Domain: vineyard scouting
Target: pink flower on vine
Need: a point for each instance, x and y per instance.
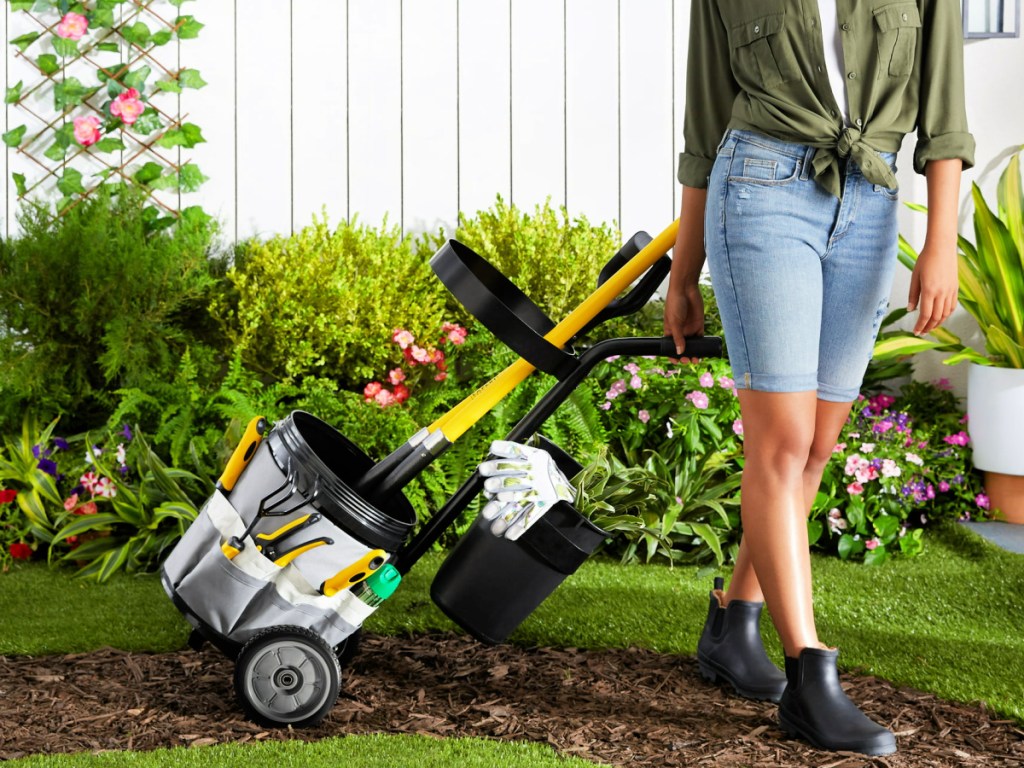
(396, 375)
(370, 390)
(644, 416)
(855, 489)
(872, 543)
(127, 106)
(737, 426)
(71, 502)
(706, 379)
(72, 26)
(419, 354)
(87, 130)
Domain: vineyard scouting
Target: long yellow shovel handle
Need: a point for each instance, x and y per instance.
(464, 415)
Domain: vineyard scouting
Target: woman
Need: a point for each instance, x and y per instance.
(794, 113)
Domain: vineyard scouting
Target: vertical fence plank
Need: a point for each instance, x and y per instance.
(485, 138)
(592, 109)
(263, 118)
(647, 163)
(212, 108)
(20, 68)
(430, 109)
(681, 35)
(319, 93)
(375, 111)
(538, 102)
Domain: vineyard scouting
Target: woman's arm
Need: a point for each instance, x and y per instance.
(684, 306)
(934, 283)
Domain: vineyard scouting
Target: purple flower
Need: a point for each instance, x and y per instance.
(127, 432)
(38, 452)
(881, 427)
(60, 443)
(982, 501)
(123, 469)
(48, 466)
(77, 490)
(943, 486)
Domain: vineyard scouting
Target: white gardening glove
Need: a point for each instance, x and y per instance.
(522, 484)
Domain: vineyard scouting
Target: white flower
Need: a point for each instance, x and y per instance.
(913, 458)
(867, 447)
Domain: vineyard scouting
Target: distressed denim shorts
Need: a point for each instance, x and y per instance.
(802, 279)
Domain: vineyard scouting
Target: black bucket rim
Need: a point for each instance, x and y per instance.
(341, 502)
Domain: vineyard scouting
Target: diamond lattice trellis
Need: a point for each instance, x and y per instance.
(97, 100)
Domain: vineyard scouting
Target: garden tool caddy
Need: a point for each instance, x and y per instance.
(305, 535)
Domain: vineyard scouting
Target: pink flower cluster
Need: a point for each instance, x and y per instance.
(415, 356)
(960, 438)
(698, 398)
(87, 130)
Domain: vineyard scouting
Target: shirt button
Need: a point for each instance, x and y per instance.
(756, 29)
(846, 27)
(832, 112)
(819, 68)
(860, 122)
(852, 75)
(904, 17)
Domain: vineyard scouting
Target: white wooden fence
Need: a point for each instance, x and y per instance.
(417, 109)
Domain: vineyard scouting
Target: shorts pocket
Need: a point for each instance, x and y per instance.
(761, 52)
(898, 27)
(752, 163)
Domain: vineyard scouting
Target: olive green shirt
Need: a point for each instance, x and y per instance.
(759, 65)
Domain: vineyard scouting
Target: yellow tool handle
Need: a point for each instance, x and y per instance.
(286, 558)
(243, 453)
(354, 573)
(464, 415)
(280, 532)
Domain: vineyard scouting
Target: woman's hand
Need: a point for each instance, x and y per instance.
(684, 313)
(933, 287)
(934, 283)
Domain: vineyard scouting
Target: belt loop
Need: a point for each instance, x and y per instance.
(805, 172)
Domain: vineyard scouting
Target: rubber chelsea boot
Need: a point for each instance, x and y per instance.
(730, 649)
(814, 707)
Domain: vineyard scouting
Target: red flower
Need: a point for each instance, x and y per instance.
(89, 508)
(401, 393)
(7, 495)
(21, 551)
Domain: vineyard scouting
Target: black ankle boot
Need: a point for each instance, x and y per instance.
(730, 649)
(815, 708)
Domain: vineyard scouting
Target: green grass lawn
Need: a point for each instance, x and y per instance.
(377, 750)
(947, 622)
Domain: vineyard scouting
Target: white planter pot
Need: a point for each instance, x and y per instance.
(995, 407)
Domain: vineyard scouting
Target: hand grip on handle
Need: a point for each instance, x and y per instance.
(696, 346)
(243, 453)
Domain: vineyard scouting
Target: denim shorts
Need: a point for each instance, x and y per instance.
(802, 279)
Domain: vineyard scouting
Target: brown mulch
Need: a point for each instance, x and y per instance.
(615, 707)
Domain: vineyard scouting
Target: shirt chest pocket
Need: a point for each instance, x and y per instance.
(897, 30)
(761, 55)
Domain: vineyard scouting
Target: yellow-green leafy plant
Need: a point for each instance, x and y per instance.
(325, 302)
(991, 272)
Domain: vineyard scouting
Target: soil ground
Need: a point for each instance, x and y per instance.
(616, 707)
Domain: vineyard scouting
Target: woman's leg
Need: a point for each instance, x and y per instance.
(828, 423)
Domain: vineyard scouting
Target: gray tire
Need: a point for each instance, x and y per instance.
(285, 676)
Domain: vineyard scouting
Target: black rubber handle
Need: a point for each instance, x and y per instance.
(629, 249)
(696, 346)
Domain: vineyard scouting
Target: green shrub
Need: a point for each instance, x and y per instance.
(324, 303)
(94, 301)
(551, 257)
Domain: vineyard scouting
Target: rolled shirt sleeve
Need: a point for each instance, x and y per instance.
(942, 114)
(711, 90)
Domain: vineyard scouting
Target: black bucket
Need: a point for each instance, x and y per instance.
(489, 585)
(319, 455)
